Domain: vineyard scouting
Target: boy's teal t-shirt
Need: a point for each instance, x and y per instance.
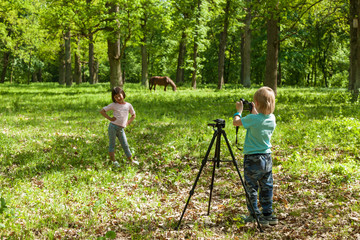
(259, 128)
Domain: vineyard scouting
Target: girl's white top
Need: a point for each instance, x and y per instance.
(121, 112)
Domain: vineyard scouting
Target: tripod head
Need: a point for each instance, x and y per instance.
(219, 123)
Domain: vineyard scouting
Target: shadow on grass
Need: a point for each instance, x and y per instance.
(73, 152)
(168, 227)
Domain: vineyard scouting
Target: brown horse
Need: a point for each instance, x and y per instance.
(162, 81)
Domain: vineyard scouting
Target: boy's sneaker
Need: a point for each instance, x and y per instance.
(262, 220)
(116, 164)
(273, 220)
(135, 162)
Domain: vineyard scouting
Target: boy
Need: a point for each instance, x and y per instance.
(260, 125)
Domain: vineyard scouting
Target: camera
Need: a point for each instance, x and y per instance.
(247, 105)
(219, 123)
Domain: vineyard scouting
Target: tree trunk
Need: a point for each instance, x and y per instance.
(96, 71)
(91, 60)
(34, 77)
(62, 65)
(39, 75)
(83, 75)
(354, 73)
(222, 47)
(246, 51)
(357, 60)
(29, 67)
(279, 81)
(323, 64)
(242, 59)
(196, 46)
(77, 73)
(279, 72)
(115, 63)
(144, 55)
(227, 65)
(113, 41)
(272, 54)
(181, 59)
(5, 66)
(144, 63)
(193, 77)
(12, 73)
(68, 72)
(354, 24)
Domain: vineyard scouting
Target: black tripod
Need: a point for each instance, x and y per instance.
(218, 131)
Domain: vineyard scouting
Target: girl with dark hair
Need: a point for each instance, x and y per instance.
(118, 123)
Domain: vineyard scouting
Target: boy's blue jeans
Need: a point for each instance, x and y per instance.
(117, 131)
(258, 173)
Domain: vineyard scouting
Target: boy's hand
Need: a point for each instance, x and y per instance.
(239, 107)
(253, 111)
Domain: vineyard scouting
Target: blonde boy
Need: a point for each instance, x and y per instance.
(260, 125)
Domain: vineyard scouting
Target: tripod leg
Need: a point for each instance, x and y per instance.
(197, 177)
(211, 186)
(241, 179)
(217, 149)
(216, 162)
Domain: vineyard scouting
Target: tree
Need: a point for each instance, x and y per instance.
(190, 40)
(114, 52)
(123, 24)
(184, 14)
(199, 32)
(272, 45)
(222, 46)
(181, 58)
(68, 69)
(89, 21)
(196, 45)
(144, 52)
(6, 58)
(8, 18)
(246, 48)
(58, 18)
(77, 69)
(354, 79)
(90, 33)
(15, 34)
(153, 16)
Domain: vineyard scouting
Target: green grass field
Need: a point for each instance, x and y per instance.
(57, 182)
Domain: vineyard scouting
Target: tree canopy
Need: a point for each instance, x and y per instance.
(301, 43)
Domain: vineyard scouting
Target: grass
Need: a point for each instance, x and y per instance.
(56, 180)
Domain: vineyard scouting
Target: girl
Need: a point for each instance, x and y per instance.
(118, 122)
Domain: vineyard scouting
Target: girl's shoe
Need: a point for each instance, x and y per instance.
(116, 164)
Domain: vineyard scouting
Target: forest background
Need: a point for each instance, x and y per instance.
(302, 42)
